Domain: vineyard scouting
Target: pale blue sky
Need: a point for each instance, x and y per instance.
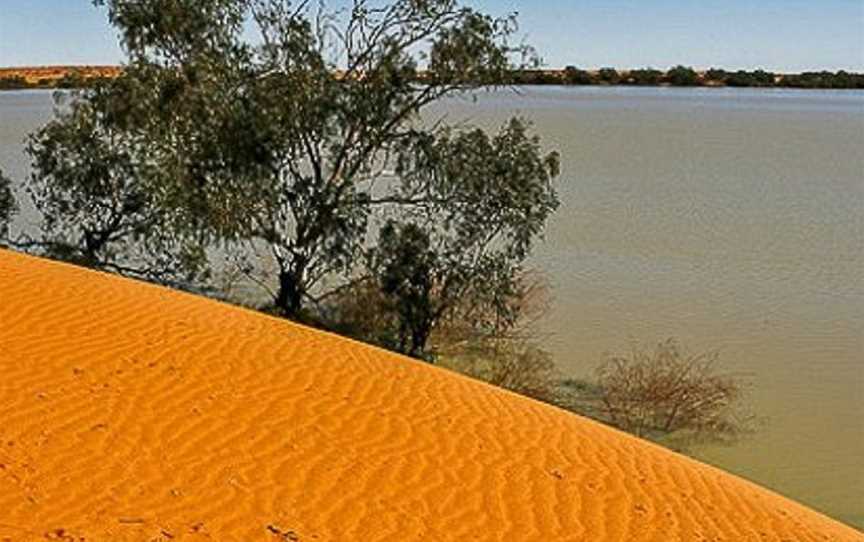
(781, 35)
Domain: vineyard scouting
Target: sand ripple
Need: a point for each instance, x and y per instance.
(130, 412)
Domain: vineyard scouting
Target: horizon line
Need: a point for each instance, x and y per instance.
(701, 70)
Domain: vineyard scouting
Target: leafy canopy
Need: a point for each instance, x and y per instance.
(290, 133)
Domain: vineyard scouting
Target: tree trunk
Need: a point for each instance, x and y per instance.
(419, 337)
(289, 298)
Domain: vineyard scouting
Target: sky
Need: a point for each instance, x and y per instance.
(779, 35)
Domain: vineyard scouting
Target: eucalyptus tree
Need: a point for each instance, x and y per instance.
(277, 124)
(92, 181)
(474, 206)
(296, 129)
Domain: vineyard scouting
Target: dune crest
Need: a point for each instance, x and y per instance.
(131, 412)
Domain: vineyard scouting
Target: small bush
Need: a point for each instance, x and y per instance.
(609, 76)
(658, 392)
(513, 364)
(575, 76)
(682, 76)
(510, 357)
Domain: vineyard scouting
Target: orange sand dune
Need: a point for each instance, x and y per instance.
(131, 412)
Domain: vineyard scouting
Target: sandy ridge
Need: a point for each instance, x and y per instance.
(130, 412)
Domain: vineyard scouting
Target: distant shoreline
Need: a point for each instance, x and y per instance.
(54, 77)
(67, 77)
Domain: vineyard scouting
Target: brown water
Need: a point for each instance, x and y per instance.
(730, 219)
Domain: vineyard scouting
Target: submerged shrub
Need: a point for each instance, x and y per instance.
(664, 390)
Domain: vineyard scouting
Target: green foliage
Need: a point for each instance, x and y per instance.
(93, 182)
(176, 29)
(681, 76)
(758, 78)
(475, 205)
(74, 79)
(473, 50)
(840, 79)
(535, 77)
(609, 76)
(407, 267)
(581, 396)
(280, 144)
(509, 357)
(8, 207)
(716, 75)
(70, 80)
(575, 76)
(288, 143)
(517, 365)
(686, 76)
(305, 143)
(13, 83)
(644, 77)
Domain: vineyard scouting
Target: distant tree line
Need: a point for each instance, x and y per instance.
(682, 76)
(14, 83)
(678, 76)
(72, 79)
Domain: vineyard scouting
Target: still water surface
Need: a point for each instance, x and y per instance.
(729, 219)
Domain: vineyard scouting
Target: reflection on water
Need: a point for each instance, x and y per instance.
(730, 219)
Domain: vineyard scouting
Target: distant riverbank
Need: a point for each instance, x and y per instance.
(53, 77)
